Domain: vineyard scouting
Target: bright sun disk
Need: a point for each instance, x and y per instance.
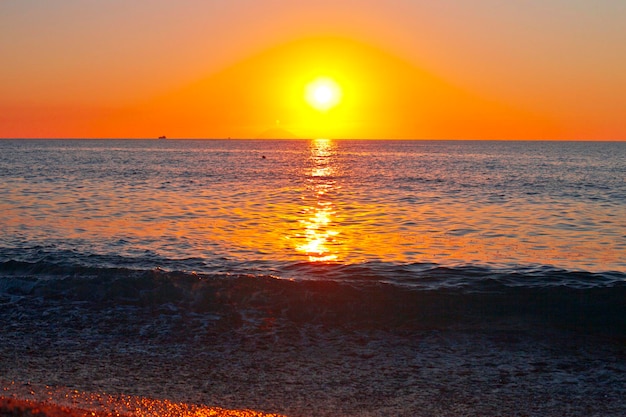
(323, 94)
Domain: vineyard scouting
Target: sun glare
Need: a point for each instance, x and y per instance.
(323, 93)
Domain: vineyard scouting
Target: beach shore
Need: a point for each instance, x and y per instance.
(10, 407)
(325, 373)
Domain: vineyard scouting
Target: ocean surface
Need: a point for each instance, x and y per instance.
(271, 207)
(163, 248)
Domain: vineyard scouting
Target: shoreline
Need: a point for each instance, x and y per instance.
(12, 407)
(513, 372)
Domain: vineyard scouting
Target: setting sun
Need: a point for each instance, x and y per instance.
(323, 94)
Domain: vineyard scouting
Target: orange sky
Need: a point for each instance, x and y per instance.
(407, 68)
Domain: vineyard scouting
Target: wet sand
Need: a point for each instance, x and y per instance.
(311, 371)
(10, 407)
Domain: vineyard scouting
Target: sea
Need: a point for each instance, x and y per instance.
(315, 277)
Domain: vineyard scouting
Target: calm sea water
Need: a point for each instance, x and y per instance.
(269, 206)
(194, 220)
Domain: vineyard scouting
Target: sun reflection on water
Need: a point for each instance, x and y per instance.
(318, 232)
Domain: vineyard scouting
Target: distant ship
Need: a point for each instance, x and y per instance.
(162, 137)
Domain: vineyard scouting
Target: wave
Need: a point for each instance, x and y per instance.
(372, 296)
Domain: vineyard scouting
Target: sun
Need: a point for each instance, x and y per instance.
(323, 93)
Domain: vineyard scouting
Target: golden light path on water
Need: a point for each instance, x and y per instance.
(318, 234)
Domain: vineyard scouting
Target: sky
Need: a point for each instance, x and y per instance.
(406, 69)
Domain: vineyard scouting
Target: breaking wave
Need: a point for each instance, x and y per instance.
(364, 296)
